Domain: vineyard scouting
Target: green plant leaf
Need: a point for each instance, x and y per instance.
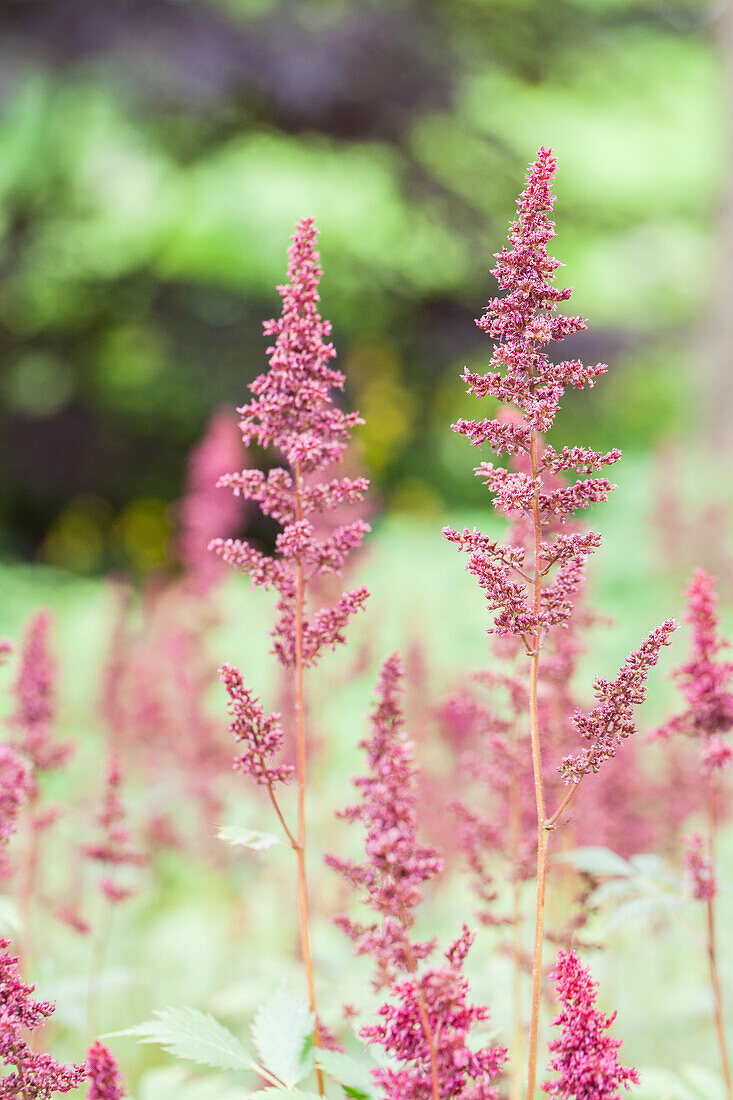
(197, 1037)
(249, 838)
(597, 861)
(354, 1078)
(274, 1093)
(280, 1032)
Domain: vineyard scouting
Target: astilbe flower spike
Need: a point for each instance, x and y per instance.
(105, 1079)
(15, 787)
(205, 512)
(612, 720)
(532, 583)
(293, 412)
(426, 1024)
(396, 865)
(113, 850)
(585, 1055)
(34, 1075)
(706, 679)
(705, 682)
(34, 691)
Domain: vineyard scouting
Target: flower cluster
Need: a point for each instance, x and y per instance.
(427, 1021)
(705, 680)
(15, 787)
(34, 693)
(521, 323)
(114, 850)
(390, 878)
(440, 996)
(261, 733)
(33, 1074)
(204, 512)
(700, 869)
(612, 720)
(585, 1055)
(105, 1080)
(292, 410)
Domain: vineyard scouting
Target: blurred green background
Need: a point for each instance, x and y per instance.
(153, 159)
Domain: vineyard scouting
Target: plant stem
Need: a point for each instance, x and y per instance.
(96, 969)
(28, 890)
(543, 835)
(301, 760)
(518, 1037)
(713, 959)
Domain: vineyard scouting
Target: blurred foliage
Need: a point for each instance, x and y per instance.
(154, 155)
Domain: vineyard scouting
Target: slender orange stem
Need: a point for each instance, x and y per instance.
(518, 1038)
(543, 835)
(303, 914)
(713, 958)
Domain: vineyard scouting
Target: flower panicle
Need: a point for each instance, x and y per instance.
(584, 1056)
(439, 995)
(705, 680)
(15, 788)
(292, 410)
(32, 1073)
(530, 386)
(396, 865)
(608, 724)
(113, 849)
(103, 1072)
(35, 697)
(260, 733)
(700, 869)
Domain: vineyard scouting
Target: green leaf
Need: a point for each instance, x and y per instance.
(597, 861)
(642, 908)
(273, 1094)
(9, 916)
(280, 1032)
(250, 838)
(197, 1037)
(354, 1078)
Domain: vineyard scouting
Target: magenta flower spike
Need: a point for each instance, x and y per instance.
(293, 412)
(706, 679)
(15, 788)
(396, 864)
(532, 583)
(427, 1023)
(35, 697)
(205, 511)
(585, 1055)
(105, 1079)
(32, 1073)
(113, 850)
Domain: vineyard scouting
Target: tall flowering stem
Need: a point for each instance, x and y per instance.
(33, 722)
(292, 411)
(705, 682)
(531, 585)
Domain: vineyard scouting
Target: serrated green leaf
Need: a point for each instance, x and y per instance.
(197, 1037)
(597, 861)
(249, 838)
(354, 1078)
(280, 1032)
